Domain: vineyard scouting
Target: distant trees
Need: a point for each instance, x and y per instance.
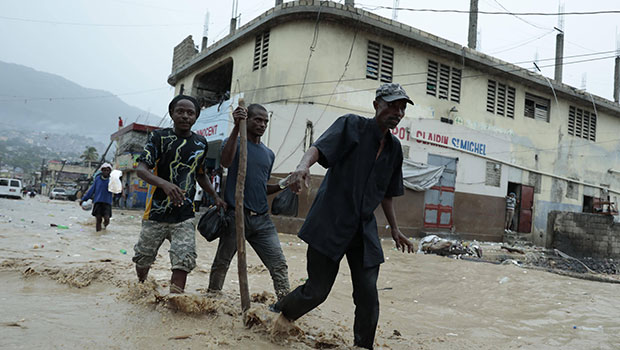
(90, 154)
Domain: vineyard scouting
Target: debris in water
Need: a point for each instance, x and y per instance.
(64, 227)
(179, 337)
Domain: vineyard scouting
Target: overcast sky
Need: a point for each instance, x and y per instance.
(125, 46)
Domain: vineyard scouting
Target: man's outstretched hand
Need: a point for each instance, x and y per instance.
(402, 241)
(298, 179)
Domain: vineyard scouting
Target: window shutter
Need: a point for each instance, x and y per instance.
(537, 107)
(581, 123)
(265, 49)
(257, 49)
(593, 127)
(261, 50)
(571, 121)
(379, 62)
(431, 78)
(491, 86)
(529, 108)
(510, 102)
(387, 63)
(372, 62)
(455, 88)
(541, 112)
(444, 81)
(501, 98)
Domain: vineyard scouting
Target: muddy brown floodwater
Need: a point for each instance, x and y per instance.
(75, 289)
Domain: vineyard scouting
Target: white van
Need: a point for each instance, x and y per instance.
(10, 188)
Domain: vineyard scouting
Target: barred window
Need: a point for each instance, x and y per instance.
(380, 62)
(261, 49)
(493, 174)
(500, 99)
(581, 123)
(537, 107)
(443, 81)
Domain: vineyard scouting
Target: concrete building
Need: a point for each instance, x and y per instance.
(71, 176)
(496, 127)
(130, 141)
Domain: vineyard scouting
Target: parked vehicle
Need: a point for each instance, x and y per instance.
(10, 188)
(58, 193)
(72, 193)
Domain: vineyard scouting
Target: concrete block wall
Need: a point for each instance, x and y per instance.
(584, 234)
(183, 53)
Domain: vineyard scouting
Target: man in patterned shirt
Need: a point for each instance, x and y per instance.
(177, 157)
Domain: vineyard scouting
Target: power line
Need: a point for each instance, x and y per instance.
(522, 43)
(424, 82)
(95, 24)
(414, 73)
(570, 13)
(30, 99)
(167, 9)
(519, 18)
(346, 67)
(315, 39)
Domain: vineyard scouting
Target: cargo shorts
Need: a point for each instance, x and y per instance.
(182, 237)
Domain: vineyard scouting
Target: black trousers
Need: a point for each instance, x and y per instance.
(322, 272)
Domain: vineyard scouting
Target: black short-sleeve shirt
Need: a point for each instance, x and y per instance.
(355, 184)
(176, 160)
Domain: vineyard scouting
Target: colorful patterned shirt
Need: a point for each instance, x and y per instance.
(176, 160)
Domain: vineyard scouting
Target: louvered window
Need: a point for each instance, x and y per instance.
(537, 107)
(380, 62)
(500, 99)
(581, 123)
(261, 50)
(443, 81)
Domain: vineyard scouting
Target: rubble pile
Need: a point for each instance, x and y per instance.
(583, 265)
(433, 244)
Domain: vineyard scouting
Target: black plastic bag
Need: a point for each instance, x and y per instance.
(285, 203)
(213, 223)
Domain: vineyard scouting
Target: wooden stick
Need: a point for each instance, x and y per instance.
(240, 215)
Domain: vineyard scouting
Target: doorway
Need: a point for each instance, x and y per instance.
(439, 199)
(522, 220)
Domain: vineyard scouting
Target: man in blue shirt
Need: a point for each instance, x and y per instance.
(102, 198)
(260, 231)
(364, 162)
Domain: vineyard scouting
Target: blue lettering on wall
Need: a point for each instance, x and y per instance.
(471, 146)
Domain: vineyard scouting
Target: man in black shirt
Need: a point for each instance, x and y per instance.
(364, 162)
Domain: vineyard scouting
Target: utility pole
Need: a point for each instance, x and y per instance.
(617, 69)
(473, 24)
(233, 19)
(395, 5)
(205, 33)
(559, 45)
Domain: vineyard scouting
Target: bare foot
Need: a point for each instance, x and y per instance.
(283, 327)
(174, 289)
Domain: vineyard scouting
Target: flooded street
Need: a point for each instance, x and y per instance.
(75, 289)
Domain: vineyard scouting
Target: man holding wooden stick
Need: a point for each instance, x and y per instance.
(260, 231)
(364, 162)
